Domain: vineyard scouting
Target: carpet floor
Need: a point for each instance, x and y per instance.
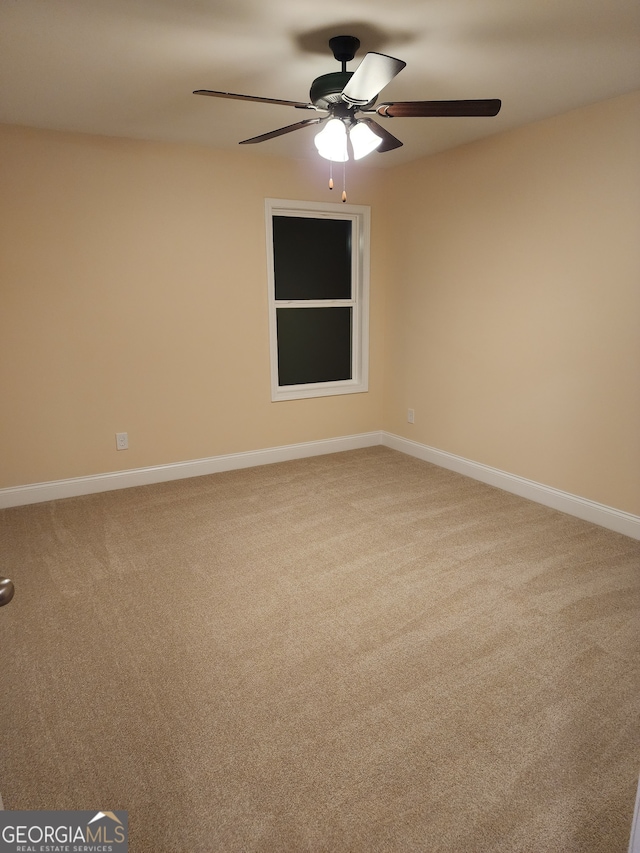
(352, 653)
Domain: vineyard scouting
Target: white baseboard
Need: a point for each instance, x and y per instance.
(39, 492)
(605, 516)
(634, 840)
(613, 519)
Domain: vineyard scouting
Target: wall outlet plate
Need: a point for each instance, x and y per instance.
(122, 441)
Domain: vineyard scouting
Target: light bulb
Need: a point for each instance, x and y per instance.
(331, 142)
(363, 140)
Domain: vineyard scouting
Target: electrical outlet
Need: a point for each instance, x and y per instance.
(122, 441)
(410, 416)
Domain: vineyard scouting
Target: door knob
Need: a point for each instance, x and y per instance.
(6, 591)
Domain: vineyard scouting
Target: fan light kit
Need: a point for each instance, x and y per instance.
(346, 100)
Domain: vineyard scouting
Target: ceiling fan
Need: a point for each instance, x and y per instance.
(346, 100)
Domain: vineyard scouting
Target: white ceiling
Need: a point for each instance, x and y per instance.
(128, 67)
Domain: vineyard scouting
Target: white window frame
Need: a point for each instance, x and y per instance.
(360, 217)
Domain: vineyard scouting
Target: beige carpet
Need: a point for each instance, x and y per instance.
(356, 652)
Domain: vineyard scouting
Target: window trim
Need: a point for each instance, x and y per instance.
(360, 216)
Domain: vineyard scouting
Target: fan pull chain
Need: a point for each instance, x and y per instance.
(344, 179)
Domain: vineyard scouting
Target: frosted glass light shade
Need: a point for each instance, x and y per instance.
(363, 140)
(331, 142)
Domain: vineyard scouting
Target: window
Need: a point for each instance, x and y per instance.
(318, 275)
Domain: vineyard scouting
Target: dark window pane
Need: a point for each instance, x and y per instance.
(314, 345)
(312, 258)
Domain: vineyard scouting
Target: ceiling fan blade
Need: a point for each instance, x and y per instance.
(370, 77)
(417, 109)
(282, 130)
(298, 104)
(389, 141)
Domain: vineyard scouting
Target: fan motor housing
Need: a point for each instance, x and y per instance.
(327, 89)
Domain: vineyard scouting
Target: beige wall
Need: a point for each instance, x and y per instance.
(133, 298)
(514, 303)
(505, 303)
